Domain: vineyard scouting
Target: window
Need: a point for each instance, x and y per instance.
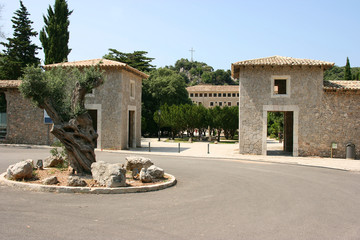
(224, 94)
(229, 104)
(200, 94)
(205, 94)
(132, 89)
(237, 103)
(211, 104)
(196, 95)
(215, 95)
(210, 94)
(200, 103)
(220, 104)
(237, 94)
(233, 95)
(191, 94)
(219, 95)
(229, 94)
(280, 86)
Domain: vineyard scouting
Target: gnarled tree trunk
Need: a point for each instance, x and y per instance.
(79, 138)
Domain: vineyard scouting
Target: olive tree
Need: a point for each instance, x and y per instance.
(61, 92)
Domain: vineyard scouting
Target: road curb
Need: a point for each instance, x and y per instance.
(87, 190)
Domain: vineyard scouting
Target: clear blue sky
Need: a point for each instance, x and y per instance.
(221, 32)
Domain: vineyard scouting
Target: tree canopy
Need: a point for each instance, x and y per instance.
(54, 36)
(199, 72)
(61, 93)
(338, 73)
(347, 71)
(19, 50)
(137, 59)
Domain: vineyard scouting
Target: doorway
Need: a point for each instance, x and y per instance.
(287, 124)
(93, 115)
(131, 129)
(3, 116)
(280, 133)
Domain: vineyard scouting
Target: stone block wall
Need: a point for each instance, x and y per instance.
(113, 101)
(337, 120)
(255, 93)
(25, 122)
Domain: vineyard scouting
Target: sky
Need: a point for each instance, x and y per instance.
(220, 31)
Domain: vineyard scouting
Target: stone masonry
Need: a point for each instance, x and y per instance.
(25, 122)
(319, 117)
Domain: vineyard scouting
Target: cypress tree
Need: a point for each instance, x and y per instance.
(54, 36)
(19, 51)
(347, 71)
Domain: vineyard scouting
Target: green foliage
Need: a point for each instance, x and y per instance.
(137, 59)
(230, 121)
(275, 123)
(55, 87)
(347, 71)
(19, 51)
(338, 73)
(54, 36)
(60, 154)
(199, 72)
(187, 117)
(219, 77)
(164, 86)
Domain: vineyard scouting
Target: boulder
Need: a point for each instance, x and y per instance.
(145, 177)
(137, 163)
(20, 170)
(155, 172)
(50, 180)
(109, 175)
(53, 161)
(76, 182)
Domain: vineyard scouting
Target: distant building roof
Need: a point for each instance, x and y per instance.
(10, 83)
(278, 61)
(213, 88)
(341, 85)
(103, 63)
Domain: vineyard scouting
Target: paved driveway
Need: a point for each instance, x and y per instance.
(214, 199)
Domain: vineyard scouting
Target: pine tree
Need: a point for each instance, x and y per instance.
(54, 36)
(347, 71)
(19, 51)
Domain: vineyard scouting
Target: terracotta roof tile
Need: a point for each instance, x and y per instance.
(94, 62)
(10, 83)
(341, 85)
(283, 61)
(213, 88)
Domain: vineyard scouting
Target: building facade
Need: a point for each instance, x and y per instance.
(214, 95)
(115, 108)
(316, 116)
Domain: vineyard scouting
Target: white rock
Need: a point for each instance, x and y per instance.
(138, 163)
(109, 175)
(145, 177)
(50, 180)
(155, 172)
(21, 170)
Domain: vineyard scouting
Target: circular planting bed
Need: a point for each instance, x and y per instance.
(133, 186)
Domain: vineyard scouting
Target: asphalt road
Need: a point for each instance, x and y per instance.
(214, 199)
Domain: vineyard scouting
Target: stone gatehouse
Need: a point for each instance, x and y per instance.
(115, 108)
(318, 115)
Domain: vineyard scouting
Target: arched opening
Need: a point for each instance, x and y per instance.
(3, 118)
